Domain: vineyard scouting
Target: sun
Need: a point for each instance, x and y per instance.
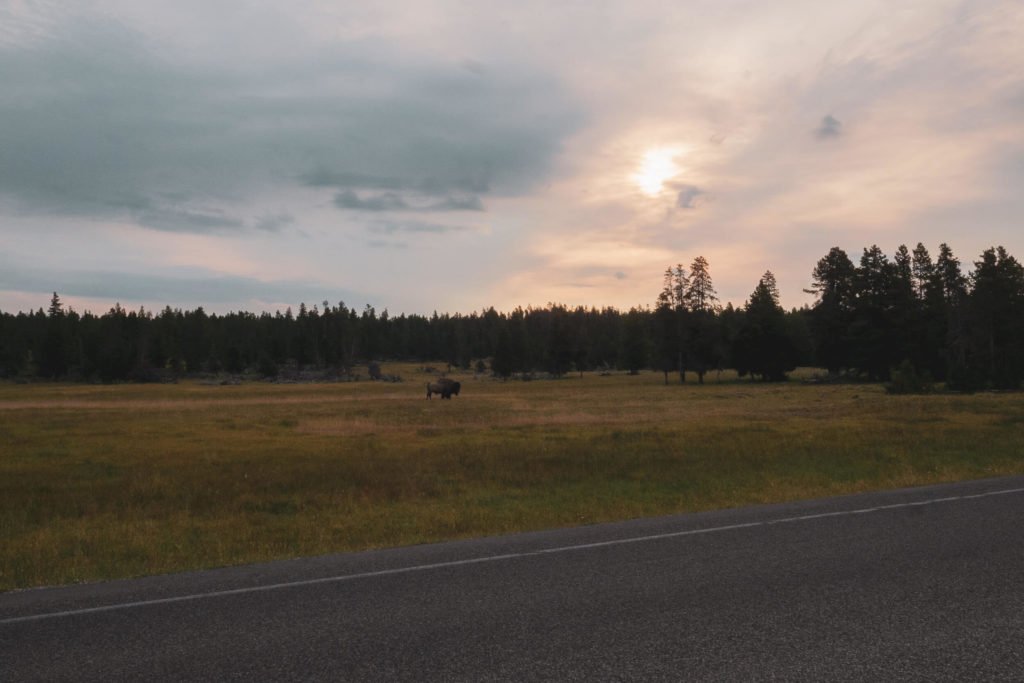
(658, 166)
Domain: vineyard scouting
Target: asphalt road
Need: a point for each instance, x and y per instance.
(919, 584)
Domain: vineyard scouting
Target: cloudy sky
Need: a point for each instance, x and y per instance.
(456, 155)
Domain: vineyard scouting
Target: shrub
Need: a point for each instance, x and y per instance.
(267, 366)
(906, 379)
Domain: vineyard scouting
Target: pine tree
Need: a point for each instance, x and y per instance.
(675, 285)
(996, 317)
(700, 295)
(947, 268)
(634, 341)
(922, 269)
(833, 285)
(670, 322)
(56, 307)
(763, 345)
(951, 290)
(53, 354)
(702, 337)
(875, 346)
(904, 311)
(668, 338)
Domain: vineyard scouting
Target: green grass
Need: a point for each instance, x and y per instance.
(100, 482)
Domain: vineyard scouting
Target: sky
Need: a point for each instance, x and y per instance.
(452, 156)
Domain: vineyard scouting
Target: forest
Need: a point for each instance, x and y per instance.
(909, 319)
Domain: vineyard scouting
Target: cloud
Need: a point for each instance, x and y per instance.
(387, 201)
(324, 177)
(471, 203)
(273, 222)
(394, 201)
(393, 227)
(687, 196)
(95, 121)
(182, 220)
(830, 127)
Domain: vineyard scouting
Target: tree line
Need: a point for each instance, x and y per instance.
(921, 316)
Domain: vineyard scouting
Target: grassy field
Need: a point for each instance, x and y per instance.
(100, 482)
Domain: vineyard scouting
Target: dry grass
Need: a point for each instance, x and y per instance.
(110, 481)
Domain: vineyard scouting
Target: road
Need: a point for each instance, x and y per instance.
(917, 584)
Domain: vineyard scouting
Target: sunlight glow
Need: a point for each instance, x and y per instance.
(658, 166)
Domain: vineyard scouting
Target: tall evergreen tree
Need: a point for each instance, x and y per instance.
(951, 297)
(675, 285)
(875, 344)
(904, 312)
(668, 342)
(763, 346)
(503, 362)
(560, 341)
(996, 316)
(833, 285)
(56, 307)
(947, 268)
(54, 355)
(634, 341)
(922, 269)
(581, 340)
(703, 342)
(700, 295)
(671, 317)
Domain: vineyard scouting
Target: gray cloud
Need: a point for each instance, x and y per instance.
(273, 222)
(830, 127)
(94, 123)
(386, 201)
(687, 196)
(182, 220)
(393, 201)
(324, 177)
(450, 203)
(393, 227)
(619, 275)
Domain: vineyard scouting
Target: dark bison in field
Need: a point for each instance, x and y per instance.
(444, 386)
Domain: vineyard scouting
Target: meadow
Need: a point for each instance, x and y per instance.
(100, 482)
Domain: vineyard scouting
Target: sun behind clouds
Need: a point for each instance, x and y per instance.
(657, 167)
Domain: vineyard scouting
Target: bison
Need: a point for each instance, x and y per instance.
(444, 386)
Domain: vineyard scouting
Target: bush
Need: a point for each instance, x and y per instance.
(964, 377)
(267, 366)
(373, 367)
(906, 379)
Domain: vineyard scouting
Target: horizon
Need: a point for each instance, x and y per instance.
(69, 305)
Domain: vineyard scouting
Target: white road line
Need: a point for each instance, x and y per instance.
(493, 558)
